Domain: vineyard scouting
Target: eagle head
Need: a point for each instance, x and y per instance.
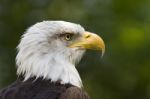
(50, 49)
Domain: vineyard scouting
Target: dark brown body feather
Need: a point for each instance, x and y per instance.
(41, 89)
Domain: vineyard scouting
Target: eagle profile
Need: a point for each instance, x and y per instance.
(46, 59)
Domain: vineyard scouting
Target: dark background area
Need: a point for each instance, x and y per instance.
(123, 72)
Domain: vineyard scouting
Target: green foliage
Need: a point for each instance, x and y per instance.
(123, 72)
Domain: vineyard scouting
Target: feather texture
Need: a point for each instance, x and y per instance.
(41, 89)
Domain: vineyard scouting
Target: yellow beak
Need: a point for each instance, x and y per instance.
(90, 41)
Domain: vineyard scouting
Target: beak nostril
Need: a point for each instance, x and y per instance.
(87, 36)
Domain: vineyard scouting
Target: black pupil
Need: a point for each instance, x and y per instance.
(68, 36)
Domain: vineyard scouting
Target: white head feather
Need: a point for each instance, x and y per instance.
(42, 54)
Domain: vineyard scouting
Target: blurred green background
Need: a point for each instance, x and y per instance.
(123, 72)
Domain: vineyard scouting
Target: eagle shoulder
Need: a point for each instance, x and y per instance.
(74, 93)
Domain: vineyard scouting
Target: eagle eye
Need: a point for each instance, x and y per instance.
(68, 36)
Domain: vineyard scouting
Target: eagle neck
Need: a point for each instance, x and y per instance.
(50, 69)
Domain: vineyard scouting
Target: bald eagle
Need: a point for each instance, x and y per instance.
(46, 59)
